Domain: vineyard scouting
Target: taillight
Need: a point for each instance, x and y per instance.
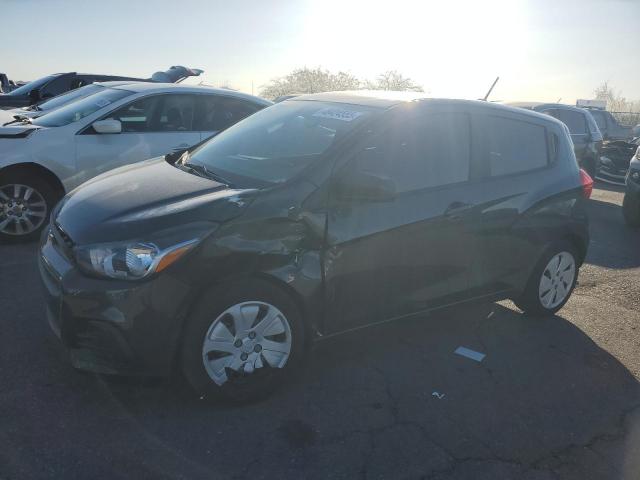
(587, 183)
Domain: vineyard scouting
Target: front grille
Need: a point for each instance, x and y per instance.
(63, 236)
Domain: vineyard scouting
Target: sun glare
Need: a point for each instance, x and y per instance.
(453, 48)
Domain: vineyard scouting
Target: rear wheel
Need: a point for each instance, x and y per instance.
(241, 344)
(25, 204)
(551, 282)
(631, 211)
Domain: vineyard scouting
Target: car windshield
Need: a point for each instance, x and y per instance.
(79, 109)
(278, 142)
(65, 98)
(25, 89)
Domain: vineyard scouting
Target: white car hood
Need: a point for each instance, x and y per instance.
(6, 116)
(17, 131)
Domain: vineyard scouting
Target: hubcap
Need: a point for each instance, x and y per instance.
(22, 209)
(557, 279)
(246, 337)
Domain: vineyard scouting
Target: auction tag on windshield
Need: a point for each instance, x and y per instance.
(337, 114)
(102, 102)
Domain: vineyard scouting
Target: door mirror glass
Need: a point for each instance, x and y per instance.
(364, 186)
(107, 126)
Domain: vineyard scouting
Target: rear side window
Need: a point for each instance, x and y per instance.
(576, 121)
(515, 146)
(217, 112)
(430, 151)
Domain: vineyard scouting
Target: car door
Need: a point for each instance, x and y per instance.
(393, 257)
(516, 156)
(151, 126)
(214, 113)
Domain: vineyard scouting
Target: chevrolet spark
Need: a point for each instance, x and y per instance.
(321, 214)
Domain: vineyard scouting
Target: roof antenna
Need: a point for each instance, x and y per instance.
(491, 89)
(559, 100)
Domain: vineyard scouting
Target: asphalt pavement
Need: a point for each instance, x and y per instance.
(554, 398)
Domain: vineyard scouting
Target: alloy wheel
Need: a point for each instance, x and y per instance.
(245, 338)
(22, 209)
(557, 280)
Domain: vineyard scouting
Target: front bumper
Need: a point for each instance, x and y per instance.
(610, 173)
(115, 327)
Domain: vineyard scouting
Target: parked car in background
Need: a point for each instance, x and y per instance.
(39, 109)
(615, 156)
(42, 159)
(610, 127)
(6, 85)
(320, 214)
(587, 138)
(58, 83)
(631, 202)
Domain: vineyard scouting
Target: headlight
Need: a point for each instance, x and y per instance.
(129, 260)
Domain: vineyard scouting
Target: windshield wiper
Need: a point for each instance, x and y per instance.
(205, 172)
(18, 119)
(201, 170)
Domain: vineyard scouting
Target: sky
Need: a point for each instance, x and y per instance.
(543, 50)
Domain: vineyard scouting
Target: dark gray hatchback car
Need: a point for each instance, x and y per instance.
(585, 134)
(320, 214)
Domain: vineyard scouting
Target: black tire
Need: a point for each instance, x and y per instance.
(529, 301)
(631, 211)
(41, 186)
(260, 383)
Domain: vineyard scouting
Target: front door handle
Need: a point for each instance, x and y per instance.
(456, 210)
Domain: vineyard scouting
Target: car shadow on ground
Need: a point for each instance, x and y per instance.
(392, 401)
(609, 187)
(613, 244)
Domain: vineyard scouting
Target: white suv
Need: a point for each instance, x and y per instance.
(43, 158)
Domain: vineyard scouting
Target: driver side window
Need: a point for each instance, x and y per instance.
(136, 117)
(424, 152)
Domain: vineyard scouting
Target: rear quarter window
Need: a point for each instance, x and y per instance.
(515, 145)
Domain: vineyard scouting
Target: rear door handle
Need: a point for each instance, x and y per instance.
(456, 210)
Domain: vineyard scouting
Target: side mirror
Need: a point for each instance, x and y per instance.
(363, 186)
(107, 126)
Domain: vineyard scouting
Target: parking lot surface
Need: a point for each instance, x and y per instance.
(554, 398)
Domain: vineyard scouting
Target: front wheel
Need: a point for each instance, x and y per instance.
(631, 211)
(551, 282)
(242, 343)
(25, 203)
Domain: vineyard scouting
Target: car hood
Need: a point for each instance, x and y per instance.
(15, 131)
(134, 201)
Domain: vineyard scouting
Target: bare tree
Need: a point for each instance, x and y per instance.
(393, 80)
(615, 101)
(307, 80)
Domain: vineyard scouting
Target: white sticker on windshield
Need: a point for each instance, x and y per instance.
(102, 102)
(338, 114)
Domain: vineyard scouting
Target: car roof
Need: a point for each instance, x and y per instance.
(153, 87)
(373, 98)
(536, 105)
(389, 99)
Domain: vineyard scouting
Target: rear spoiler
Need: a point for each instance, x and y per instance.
(176, 74)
